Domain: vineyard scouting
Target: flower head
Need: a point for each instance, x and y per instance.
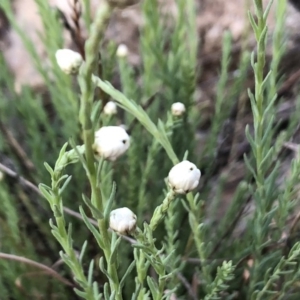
(68, 60)
(122, 51)
(184, 177)
(110, 108)
(122, 220)
(178, 109)
(111, 142)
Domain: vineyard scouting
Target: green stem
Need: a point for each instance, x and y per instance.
(161, 287)
(65, 242)
(87, 93)
(111, 268)
(142, 269)
(260, 147)
(146, 239)
(197, 230)
(161, 210)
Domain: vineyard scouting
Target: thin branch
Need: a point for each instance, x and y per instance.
(77, 37)
(37, 265)
(74, 29)
(287, 85)
(17, 148)
(22, 180)
(187, 286)
(231, 227)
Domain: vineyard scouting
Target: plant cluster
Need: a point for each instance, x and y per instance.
(132, 203)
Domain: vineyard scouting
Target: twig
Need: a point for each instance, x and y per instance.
(294, 224)
(77, 37)
(22, 180)
(187, 286)
(36, 264)
(74, 32)
(292, 146)
(287, 85)
(231, 227)
(17, 148)
(67, 210)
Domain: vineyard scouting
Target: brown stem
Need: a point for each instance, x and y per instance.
(17, 148)
(37, 265)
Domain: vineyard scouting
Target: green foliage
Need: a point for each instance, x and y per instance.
(181, 244)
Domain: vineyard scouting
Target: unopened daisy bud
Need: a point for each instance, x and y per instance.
(122, 51)
(68, 60)
(110, 108)
(178, 109)
(184, 177)
(122, 220)
(111, 142)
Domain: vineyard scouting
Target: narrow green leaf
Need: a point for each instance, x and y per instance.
(110, 201)
(95, 211)
(92, 229)
(113, 256)
(250, 140)
(82, 252)
(106, 291)
(90, 272)
(57, 212)
(80, 293)
(62, 152)
(70, 240)
(80, 155)
(102, 268)
(61, 190)
(113, 295)
(49, 169)
(128, 271)
(153, 287)
(253, 23)
(248, 164)
(45, 193)
(266, 160)
(267, 10)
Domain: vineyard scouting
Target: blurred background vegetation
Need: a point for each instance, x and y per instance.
(194, 52)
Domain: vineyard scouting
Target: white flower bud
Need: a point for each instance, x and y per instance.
(122, 220)
(184, 177)
(122, 51)
(68, 60)
(178, 109)
(110, 108)
(111, 142)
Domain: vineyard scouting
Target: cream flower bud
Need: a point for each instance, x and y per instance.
(110, 108)
(111, 142)
(122, 220)
(184, 177)
(68, 60)
(122, 51)
(178, 109)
